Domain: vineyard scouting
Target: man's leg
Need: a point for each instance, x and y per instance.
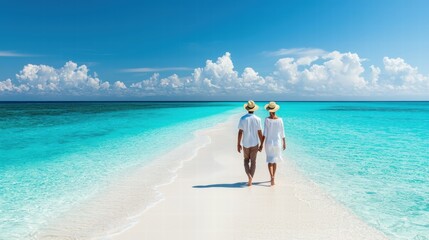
(253, 167)
(253, 154)
(246, 167)
(248, 172)
(246, 153)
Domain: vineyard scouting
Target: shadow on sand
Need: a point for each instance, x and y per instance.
(232, 185)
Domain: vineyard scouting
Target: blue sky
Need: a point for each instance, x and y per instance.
(134, 41)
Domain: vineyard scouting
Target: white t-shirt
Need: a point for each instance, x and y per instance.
(250, 124)
(274, 131)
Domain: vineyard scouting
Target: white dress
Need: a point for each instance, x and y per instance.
(274, 134)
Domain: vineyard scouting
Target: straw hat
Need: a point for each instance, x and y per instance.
(272, 107)
(250, 106)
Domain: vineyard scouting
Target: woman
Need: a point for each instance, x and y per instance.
(274, 138)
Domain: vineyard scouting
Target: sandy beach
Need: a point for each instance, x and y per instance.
(210, 200)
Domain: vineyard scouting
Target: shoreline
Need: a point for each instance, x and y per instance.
(208, 199)
(108, 213)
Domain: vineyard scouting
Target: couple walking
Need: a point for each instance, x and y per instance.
(251, 139)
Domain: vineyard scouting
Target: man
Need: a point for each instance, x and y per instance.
(249, 134)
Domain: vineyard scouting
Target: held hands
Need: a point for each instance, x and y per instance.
(239, 148)
(261, 147)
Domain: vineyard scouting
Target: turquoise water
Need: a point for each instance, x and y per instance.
(371, 156)
(54, 156)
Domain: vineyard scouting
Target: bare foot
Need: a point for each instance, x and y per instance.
(249, 183)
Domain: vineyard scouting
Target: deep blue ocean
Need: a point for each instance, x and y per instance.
(373, 157)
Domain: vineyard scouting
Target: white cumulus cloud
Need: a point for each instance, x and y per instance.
(215, 78)
(403, 73)
(70, 79)
(120, 85)
(397, 76)
(7, 85)
(303, 73)
(343, 74)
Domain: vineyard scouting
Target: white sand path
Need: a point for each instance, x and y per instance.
(209, 200)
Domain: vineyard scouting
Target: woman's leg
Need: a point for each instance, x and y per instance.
(271, 170)
(274, 169)
(274, 173)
